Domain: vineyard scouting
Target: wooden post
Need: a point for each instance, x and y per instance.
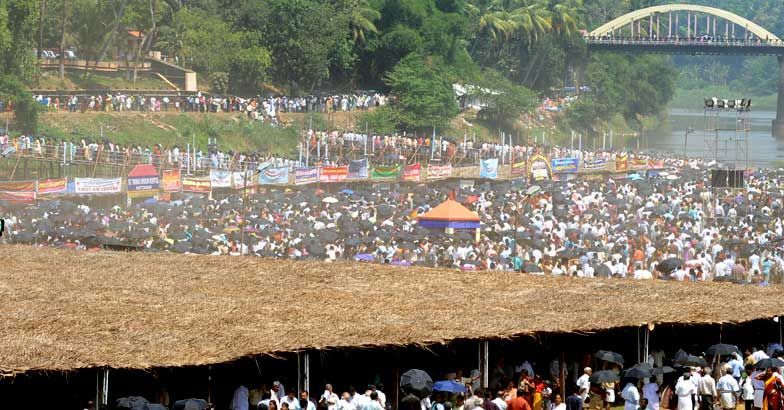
(484, 365)
(562, 375)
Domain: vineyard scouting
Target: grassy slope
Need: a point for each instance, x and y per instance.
(233, 132)
(74, 81)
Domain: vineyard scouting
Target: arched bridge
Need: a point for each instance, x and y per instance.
(691, 29)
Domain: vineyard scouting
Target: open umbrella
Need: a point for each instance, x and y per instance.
(449, 386)
(531, 268)
(191, 404)
(609, 356)
(416, 382)
(767, 363)
(669, 265)
(330, 200)
(692, 360)
(637, 373)
(662, 370)
(722, 349)
(604, 376)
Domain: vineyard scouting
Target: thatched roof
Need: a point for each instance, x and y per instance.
(64, 310)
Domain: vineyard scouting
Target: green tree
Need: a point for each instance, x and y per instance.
(424, 96)
(363, 20)
(25, 107)
(505, 101)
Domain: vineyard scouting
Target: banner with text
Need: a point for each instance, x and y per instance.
(238, 179)
(655, 163)
(199, 185)
(639, 163)
(274, 176)
(488, 168)
(18, 197)
(595, 164)
(307, 175)
(565, 165)
(220, 178)
(385, 173)
(439, 171)
(539, 167)
(52, 186)
(412, 173)
(97, 185)
(358, 169)
(333, 174)
(171, 180)
(17, 186)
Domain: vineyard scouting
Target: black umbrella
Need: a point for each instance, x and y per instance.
(722, 349)
(416, 382)
(191, 404)
(692, 360)
(662, 370)
(767, 363)
(637, 373)
(669, 265)
(604, 376)
(680, 356)
(609, 356)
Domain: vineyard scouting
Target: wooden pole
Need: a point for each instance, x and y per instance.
(562, 375)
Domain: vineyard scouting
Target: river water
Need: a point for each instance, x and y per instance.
(763, 147)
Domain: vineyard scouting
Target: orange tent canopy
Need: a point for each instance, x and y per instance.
(450, 210)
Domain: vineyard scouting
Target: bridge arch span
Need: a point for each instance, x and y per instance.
(629, 18)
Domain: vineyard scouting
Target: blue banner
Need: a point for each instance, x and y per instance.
(488, 168)
(358, 169)
(565, 165)
(274, 176)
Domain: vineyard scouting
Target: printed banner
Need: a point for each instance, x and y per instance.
(539, 167)
(385, 173)
(565, 165)
(171, 180)
(596, 164)
(358, 169)
(622, 163)
(655, 163)
(238, 179)
(97, 185)
(18, 197)
(639, 163)
(17, 186)
(333, 174)
(518, 169)
(52, 186)
(146, 183)
(439, 171)
(304, 176)
(488, 168)
(201, 185)
(412, 173)
(274, 176)
(220, 178)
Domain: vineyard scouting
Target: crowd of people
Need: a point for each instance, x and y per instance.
(255, 107)
(723, 379)
(605, 226)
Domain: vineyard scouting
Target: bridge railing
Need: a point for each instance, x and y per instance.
(712, 42)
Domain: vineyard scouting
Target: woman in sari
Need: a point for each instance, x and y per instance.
(772, 398)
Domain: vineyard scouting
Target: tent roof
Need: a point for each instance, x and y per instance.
(143, 170)
(140, 310)
(450, 210)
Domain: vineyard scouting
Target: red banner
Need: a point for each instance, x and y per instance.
(639, 163)
(655, 163)
(518, 169)
(171, 180)
(18, 197)
(333, 174)
(202, 185)
(412, 172)
(52, 186)
(17, 186)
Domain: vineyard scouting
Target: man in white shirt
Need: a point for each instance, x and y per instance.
(706, 387)
(329, 399)
(584, 383)
(685, 390)
(728, 390)
(631, 397)
(304, 402)
(345, 403)
(499, 400)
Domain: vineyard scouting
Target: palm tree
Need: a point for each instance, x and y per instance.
(363, 18)
(564, 17)
(531, 19)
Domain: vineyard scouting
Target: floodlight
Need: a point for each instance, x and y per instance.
(731, 104)
(708, 103)
(720, 104)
